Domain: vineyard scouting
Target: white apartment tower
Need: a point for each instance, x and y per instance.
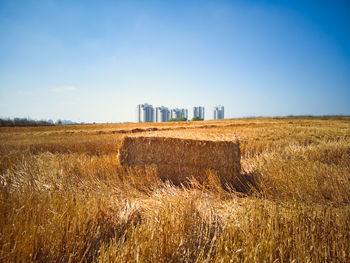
(144, 113)
(198, 112)
(178, 113)
(161, 114)
(218, 112)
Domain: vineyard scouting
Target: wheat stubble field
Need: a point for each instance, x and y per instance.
(64, 196)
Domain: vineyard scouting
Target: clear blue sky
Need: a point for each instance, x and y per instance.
(96, 60)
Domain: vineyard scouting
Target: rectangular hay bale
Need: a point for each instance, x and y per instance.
(178, 159)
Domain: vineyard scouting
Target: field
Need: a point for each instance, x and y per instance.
(64, 196)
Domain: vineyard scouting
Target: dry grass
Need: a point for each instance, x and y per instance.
(64, 196)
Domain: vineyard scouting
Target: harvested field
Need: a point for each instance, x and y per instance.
(180, 159)
(64, 197)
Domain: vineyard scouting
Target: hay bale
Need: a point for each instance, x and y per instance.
(178, 159)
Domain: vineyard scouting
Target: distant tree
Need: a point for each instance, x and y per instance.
(196, 118)
(179, 119)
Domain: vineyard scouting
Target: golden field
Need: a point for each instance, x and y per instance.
(65, 198)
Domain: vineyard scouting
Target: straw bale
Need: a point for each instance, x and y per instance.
(178, 159)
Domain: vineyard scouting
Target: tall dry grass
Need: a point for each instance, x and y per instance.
(66, 198)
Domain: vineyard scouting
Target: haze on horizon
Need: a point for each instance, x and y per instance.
(94, 61)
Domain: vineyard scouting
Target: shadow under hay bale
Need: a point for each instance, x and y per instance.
(249, 183)
(178, 159)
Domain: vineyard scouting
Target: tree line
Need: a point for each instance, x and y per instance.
(195, 118)
(23, 122)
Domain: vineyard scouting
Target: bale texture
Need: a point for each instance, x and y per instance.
(178, 159)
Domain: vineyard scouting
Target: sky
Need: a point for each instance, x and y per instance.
(94, 61)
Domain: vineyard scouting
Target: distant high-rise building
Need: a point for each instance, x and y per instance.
(178, 113)
(198, 112)
(144, 113)
(162, 114)
(219, 112)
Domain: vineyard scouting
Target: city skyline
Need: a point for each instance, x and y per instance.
(94, 61)
(147, 113)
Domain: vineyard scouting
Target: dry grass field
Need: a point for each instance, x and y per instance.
(64, 197)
